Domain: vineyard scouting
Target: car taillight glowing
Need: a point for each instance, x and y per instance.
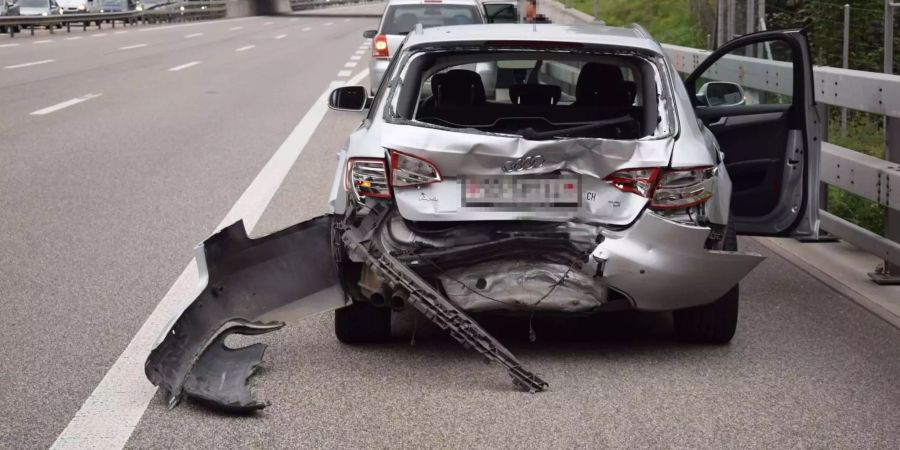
(380, 47)
(408, 170)
(367, 177)
(667, 188)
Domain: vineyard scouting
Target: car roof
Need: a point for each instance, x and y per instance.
(592, 34)
(432, 2)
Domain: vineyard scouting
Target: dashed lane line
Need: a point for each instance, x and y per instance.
(73, 38)
(235, 28)
(29, 64)
(131, 47)
(8, 45)
(344, 73)
(193, 35)
(63, 105)
(184, 66)
(306, 29)
(355, 58)
(350, 64)
(45, 41)
(244, 48)
(281, 36)
(112, 411)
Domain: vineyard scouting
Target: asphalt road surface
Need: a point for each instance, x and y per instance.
(120, 152)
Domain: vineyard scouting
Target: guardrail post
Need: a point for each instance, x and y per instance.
(846, 63)
(68, 27)
(32, 29)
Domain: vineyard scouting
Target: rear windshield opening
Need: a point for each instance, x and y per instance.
(538, 95)
(401, 19)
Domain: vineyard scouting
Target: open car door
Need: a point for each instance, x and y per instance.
(755, 94)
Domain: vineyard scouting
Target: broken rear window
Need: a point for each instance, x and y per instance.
(535, 94)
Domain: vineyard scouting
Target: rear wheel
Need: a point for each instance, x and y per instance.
(716, 322)
(362, 323)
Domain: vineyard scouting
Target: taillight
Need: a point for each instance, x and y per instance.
(408, 170)
(667, 188)
(639, 181)
(380, 47)
(683, 188)
(366, 177)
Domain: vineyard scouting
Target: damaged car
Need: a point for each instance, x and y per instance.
(584, 176)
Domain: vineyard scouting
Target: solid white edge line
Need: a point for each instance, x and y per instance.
(184, 66)
(29, 64)
(115, 407)
(63, 105)
(193, 24)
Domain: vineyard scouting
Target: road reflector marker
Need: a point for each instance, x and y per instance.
(63, 105)
(29, 64)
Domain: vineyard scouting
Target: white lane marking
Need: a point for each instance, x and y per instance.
(355, 58)
(184, 66)
(109, 415)
(194, 24)
(8, 45)
(193, 35)
(63, 105)
(268, 23)
(236, 28)
(121, 32)
(306, 29)
(344, 73)
(360, 52)
(45, 41)
(246, 47)
(346, 20)
(129, 47)
(98, 35)
(29, 64)
(350, 64)
(73, 38)
(281, 36)
(293, 19)
(327, 24)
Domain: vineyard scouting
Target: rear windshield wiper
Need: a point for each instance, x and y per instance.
(532, 135)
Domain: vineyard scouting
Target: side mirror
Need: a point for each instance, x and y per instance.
(721, 93)
(369, 34)
(349, 98)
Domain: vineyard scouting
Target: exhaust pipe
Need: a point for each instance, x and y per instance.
(379, 298)
(398, 299)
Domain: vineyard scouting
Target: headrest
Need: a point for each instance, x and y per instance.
(535, 94)
(457, 87)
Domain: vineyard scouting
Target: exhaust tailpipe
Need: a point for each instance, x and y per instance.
(398, 299)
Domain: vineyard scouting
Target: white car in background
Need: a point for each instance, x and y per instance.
(401, 16)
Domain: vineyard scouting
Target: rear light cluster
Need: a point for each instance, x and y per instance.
(667, 188)
(367, 177)
(380, 47)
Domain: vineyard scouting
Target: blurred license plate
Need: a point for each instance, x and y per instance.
(521, 191)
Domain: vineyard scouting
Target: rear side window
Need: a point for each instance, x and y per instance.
(401, 19)
(501, 13)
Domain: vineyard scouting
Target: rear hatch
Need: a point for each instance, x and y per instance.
(492, 177)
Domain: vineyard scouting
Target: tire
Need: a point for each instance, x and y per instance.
(713, 323)
(362, 323)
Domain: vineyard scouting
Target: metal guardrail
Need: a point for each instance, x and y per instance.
(866, 176)
(303, 5)
(172, 12)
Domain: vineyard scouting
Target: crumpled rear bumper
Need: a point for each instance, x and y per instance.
(662, 265)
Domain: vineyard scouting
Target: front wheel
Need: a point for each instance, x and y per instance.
(362, 323)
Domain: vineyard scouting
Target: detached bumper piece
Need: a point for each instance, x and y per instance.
(244, 280)
(363, 244)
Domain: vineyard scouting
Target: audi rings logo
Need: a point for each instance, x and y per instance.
(528, 162)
